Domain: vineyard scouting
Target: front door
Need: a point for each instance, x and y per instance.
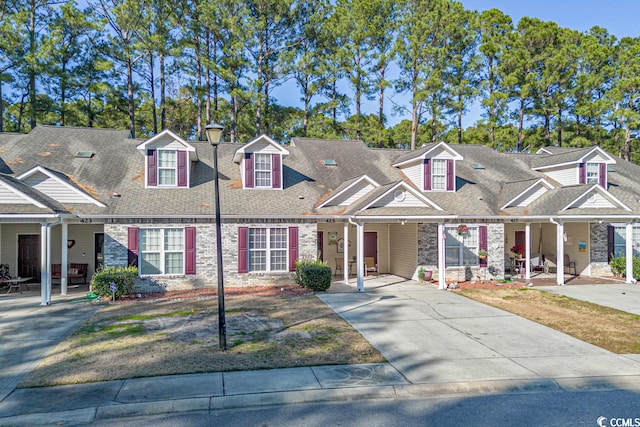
(371, 245)
(99, 251)
(29, 255)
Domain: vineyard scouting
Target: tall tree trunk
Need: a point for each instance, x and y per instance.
(199, 128)
(307, 101)
(215, 80)
(207, 80)
(460, 119)
(381, 97)
(32, 65)
(132, 109)
(358, 99)
(21, 111)
(63, 92)
(626, 152)
(1, 107)
(559, 127)
(414, 110)
(154, 112)
(163, 98)
(521, 126)
(89, 112)
(334, 96)
(259, 76)
(492, 108)
(234, 112)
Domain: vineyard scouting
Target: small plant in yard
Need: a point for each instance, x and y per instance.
(421, 273)
(314, 275)
(123, 277)
(619, 266)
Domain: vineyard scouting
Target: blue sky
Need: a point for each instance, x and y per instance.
(620, 17)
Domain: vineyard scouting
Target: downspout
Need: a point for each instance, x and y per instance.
(45, 263)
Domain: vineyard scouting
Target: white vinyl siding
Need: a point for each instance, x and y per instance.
(350, 196)
(593, 200)
(568, 175)
(415, 173)
(54, 189)
(8, 196)
(407, 200)
(530, 196)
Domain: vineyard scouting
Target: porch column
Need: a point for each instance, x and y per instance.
(560, 254)
(527, 251)
(45, 283)
(64, 261)
(628, 240)
(360, 256)
(345, 261)
(442, 280)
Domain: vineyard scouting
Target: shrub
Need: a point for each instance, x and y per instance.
(619, 266)
(123, 277)
(314, 275)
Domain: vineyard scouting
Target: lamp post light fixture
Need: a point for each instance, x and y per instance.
(214, 132)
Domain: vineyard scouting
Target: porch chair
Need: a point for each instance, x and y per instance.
(370, 265)
(568, 265)
(339, 266)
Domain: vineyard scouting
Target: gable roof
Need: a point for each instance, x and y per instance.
(63, 185)
(347, 186)
(567, 157)
(34, 202)
(262, 139)
(167, 135)
(516, 190)
(424, 152)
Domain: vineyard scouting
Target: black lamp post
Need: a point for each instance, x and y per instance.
(214, 132)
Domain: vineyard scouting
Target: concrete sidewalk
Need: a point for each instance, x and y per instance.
(621, 296)
(436, 343)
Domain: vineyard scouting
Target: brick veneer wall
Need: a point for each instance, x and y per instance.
(428, 253)
(116, 254)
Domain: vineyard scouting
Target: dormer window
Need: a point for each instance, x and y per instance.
(593, 173)
(439, 174)
(263, 170)
(167, 168)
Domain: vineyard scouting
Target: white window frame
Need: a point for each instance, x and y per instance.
(269, 250)
(164, 168)
(436, 174)
(592, 173)
(261, 182)
(620, 241)
(471, 252)
(162, 252)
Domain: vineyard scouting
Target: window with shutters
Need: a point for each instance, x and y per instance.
(162, 251)
(461, 249)
(262, 170)
(268, 249)
(438, 174)
(167, 168)
(593, 173)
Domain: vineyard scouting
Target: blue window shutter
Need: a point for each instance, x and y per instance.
(451, 179)
(243, 249)
(275, 171)
(182, 168)
(427, 174)
(293, 248)
(152, 168)
(483, 243)
(248, 170)
(190, 250)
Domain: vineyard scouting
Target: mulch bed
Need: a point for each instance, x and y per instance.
(205, 293)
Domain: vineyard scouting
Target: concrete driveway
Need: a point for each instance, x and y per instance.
(29, 331)
(434, 336)
(622, 296)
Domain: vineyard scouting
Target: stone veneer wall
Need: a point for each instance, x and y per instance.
(116, 254)
(428, 253)
(599, 264)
